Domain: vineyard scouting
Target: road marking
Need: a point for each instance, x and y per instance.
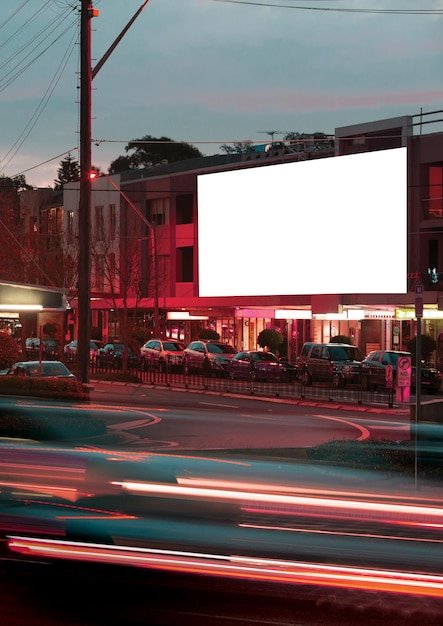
(225, 406)
(391, 427)
(135, 424)
(365, 433)
(384, 424)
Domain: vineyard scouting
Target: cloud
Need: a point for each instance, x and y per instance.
(284, 101)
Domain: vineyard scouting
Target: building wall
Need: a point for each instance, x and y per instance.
(176, 250)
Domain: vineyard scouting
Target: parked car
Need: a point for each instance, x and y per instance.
(208, 357)
(43, 369)
(163, 353)
(257, 365)
(50, 348)
(70, 349)
(290, 371)
(337, 363)
(373, 371)
(111, 355)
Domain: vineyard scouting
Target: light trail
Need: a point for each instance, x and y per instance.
(361, 510)
(234, 566)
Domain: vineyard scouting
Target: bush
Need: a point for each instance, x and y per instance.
(270, 338)
(61, 388)
(140, 335)
(375, 454)
(342, 339)
(9, 350)
(209, 333)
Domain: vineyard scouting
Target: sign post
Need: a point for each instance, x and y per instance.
(389, 376)
(418, 315)
(404, 369)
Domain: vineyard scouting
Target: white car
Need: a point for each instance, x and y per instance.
(163, 354)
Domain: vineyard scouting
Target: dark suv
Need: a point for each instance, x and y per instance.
(337, 363)
(207, 357)
(374, 366)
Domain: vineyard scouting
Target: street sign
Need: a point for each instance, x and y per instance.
(404, 370)
(419, 300)
(389, 375)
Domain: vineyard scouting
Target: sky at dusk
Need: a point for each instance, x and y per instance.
(209, 72)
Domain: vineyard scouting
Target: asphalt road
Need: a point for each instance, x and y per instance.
(165, 419)
(160, 420)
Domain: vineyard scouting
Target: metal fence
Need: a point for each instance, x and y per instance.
(150, 374)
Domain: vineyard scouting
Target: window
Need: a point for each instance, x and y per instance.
(112, 271)
(70, 226)
(185, 264)
(99, 223)
(184, 206)
(435, 194)
(359, 140)
(158, 211)
(99, 272)
(112, 222)
(433, 254)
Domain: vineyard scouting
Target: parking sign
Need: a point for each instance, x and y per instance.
(404, 370)
(389, 374)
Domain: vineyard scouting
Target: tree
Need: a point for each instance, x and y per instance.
(270, 338)
(9, 350)
(117, 272)
(310, 142)
(238, 147)
(428, 346)
(68, 172)
(150, 150)
(12, 251)
(20, 184)
(50, 329)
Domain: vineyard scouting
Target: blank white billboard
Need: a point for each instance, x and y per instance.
(333, 225)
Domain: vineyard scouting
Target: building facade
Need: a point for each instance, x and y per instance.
(144, 252)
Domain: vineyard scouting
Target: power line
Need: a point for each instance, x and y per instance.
(41, 107)
(336, 9)
(24, 63)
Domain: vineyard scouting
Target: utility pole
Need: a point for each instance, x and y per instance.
(84, 213)
(418, 368)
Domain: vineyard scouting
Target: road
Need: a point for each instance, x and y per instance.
(162, 419)
(90, 596)
(159, 420)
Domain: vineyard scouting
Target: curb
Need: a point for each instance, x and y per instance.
(378, 409)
